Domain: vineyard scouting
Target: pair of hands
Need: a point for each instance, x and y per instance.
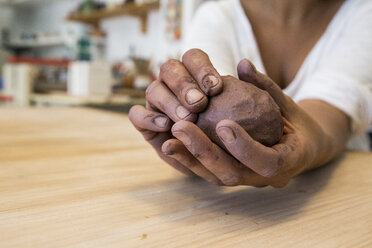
(182, 91)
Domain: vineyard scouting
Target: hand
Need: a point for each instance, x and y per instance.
(182, 88)
(303, 146)
(179, 94)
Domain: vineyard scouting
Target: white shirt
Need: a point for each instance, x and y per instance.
(338, 70)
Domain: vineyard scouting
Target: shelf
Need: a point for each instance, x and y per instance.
(33, 44)
(39, 61)
(131, 9)
(17, 45)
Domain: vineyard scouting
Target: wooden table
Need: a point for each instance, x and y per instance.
(75, 177)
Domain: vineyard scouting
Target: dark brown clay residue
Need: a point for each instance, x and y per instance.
(252, 108)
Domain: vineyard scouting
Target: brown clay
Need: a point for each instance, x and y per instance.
(252, 108)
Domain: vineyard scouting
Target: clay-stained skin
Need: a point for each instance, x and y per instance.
(251, 107)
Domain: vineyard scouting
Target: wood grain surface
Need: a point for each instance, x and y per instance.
(75, 177)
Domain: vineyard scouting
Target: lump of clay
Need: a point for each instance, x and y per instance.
(252, 108)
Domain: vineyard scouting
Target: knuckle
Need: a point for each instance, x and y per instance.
(149, 117)
(280, 184)
(134, 111)
(192, 117)
(268, 172)
(215, 181)
(164, 68)
(187, 79)
(205, 154)
(273, 168)
(191, 165)
(192, 52)
(182, 85)
(198, 155)
(231, 180)
(151, 88)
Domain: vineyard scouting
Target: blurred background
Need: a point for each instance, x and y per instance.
(98, 53)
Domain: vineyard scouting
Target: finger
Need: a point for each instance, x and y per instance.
(149, 127)
(174, 74)
(156, 142)
(212, 157)
(159, 96)
(248, 72)
(144, 119)
(175, 149)
(217, 161)
(261, 159)
(198, 64)
(154, 127)
(287, 147)
(151, 107)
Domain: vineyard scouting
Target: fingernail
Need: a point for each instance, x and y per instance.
(253, 67)
(193, 96)
(167, 148)
(226, 134)
(211, 81)
(161, 121)
(168, 153)
(182, 112)
(182, 137)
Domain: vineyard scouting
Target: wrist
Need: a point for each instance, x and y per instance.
(318, 148)
(327, 130)
(324, 151)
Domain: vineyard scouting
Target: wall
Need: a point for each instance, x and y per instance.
(123, 33)
(44, 17)
(6, 17)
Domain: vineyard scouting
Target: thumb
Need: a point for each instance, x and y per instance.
(247, 72)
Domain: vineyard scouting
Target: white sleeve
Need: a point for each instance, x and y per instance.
(210, 32)
(344, 80)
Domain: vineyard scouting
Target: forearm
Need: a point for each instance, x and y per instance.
(334, 123)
